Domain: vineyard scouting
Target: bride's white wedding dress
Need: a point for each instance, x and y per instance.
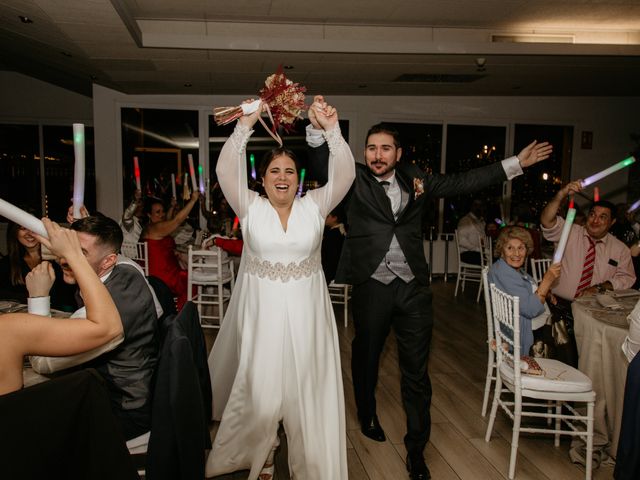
(276, 357)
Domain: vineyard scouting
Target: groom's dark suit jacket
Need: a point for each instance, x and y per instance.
(371, 222)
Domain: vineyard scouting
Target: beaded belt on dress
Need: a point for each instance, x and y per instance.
(282, 272)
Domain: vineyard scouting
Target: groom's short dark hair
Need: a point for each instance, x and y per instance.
(385, 128)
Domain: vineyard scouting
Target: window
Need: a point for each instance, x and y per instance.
(468, 147)
(162, 140)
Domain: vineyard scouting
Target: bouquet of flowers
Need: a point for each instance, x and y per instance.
(284, 100)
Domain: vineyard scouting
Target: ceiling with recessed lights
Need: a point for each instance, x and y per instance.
(337, 47)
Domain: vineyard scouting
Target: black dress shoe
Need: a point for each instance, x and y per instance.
(417, 469)
(370, 427)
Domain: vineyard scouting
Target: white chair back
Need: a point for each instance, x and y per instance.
(340, 294)
(137, 252)
(211, 273)
(506, 314)
(470, 272)
(491, 352)
(539, 267)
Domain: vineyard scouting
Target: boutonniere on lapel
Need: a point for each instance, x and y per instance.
(418, 187)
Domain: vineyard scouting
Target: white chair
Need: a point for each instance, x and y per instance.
(539, 267)
(211, 272)
(560, 383)
(137, 252)
(470, 272)
(340, 294)
(491, 352)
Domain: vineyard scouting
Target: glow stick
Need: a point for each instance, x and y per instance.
(22, 218)
(192, 171)
(136, 172)
(252, 160)
(562, 244)
(634, 206)
(173, 185)
(235, 223)
(78, 169)
(302, 173)
(608, 171)
(185, 187)
(571, 201)
(499, 221)
(596, 194)
(207, 195)
(201, 178)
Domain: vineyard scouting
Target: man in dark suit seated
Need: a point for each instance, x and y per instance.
(383, 258)
(126, 367)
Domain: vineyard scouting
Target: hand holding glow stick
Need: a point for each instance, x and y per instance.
(173, 185)
(566, 229)
(192, 171)
(78, 169)
(136, 172)
(22, 218)
(608, 171)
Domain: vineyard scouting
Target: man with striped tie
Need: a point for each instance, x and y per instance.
(593, 261)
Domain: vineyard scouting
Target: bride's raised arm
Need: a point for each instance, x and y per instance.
(232, 165)
(341, 168)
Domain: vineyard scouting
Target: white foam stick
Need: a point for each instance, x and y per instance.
(608, 171)
(22, 218)
(566, 229)
(192, 171)
(78, 168)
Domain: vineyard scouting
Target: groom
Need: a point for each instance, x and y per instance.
(383, 258)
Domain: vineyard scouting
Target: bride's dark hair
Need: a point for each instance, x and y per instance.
(275, 153)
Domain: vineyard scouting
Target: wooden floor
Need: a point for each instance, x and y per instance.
(457, 449)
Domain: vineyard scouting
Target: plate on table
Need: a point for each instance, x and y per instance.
(615, 318)
(628, 292)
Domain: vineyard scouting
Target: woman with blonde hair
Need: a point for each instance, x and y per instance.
(509, 274)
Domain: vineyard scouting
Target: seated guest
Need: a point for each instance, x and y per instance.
(128, 367)
(507, 273)
(332, 240)
(23, 255)
(593, 261)
(163, 262)
(612, 263)
(132, 217)
(471, 228)
(22, 334)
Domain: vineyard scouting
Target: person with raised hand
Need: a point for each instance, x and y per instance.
(24, 334)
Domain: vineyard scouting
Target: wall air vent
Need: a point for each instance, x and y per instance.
(437, 78)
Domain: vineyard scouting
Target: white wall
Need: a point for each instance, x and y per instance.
(24, 99)
(610, 119)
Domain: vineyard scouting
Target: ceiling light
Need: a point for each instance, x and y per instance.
(531, 38)
(25, 19)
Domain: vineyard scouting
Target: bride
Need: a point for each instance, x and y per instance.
(276, 357)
